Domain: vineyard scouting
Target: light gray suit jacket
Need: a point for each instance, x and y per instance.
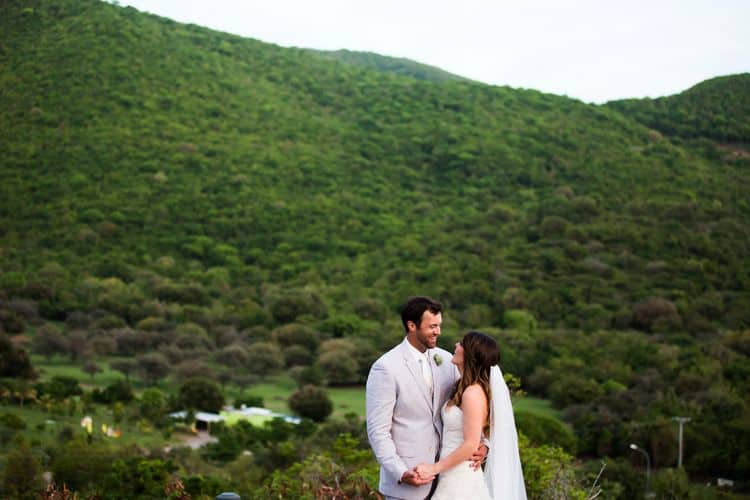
(404, 424)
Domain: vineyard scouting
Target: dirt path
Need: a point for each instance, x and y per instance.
(195, 441)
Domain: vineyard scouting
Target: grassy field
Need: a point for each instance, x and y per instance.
(44, 426)
(59, 366)
(274, 390)
(539, 406)
(275, 393)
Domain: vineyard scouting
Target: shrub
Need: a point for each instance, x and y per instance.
(153, 366)
(249, 400)
(201, 394)
(49, 341)
(23, 473)
(568, 389)
(12, 421)
(553, 226)
(343, 471)
(652, 310)
(368, 308)
(184, 294)
(311, 402)
(124, 366)
(234, 355)
(70, 469)
(153, 404)
(138, 477)
(339, 367)
(119, 390)
(305, 375)
(10, 321)
(342, 325)
(14, 362)
(296, 334)
(288, 306)
(91, 368)
(548, 472)
(296, 355)
(264, 358)
(192, 368)
(546, 430)
(520, 320)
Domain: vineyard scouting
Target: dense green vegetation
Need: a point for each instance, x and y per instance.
(181, 204)
(397, 65)
(715, 109)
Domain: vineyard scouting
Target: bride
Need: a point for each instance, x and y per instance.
(480, 406)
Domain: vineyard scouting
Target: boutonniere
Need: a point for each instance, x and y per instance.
(438, 360)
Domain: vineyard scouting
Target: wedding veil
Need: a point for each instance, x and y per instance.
(503, 471)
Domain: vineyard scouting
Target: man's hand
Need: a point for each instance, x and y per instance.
(411, 477)
(479, 456)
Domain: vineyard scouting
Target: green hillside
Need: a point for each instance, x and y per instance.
(716, 109)
(398, 65)
(133, 141)
(200, 203)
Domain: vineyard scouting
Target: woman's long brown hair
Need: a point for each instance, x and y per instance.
(481, 353)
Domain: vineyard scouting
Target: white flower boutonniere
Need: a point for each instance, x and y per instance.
(438, 360)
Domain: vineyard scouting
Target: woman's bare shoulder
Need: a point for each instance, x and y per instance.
(474, 393)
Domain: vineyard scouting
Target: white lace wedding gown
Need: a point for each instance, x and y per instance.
(460, 482)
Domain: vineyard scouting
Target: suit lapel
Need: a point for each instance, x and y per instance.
(416, 374)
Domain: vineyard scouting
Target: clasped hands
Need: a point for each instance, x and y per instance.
(425, 473)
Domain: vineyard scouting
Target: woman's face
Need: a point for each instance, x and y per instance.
(458, 355)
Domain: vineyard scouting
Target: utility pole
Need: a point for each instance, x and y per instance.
(682, 421)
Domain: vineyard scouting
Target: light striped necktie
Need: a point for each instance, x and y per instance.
(424, 364)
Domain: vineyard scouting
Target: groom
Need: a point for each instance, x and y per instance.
(406, 388)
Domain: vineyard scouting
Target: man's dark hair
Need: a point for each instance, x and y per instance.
(415, 307)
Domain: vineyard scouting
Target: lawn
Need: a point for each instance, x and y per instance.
(59, 366)
(539, 406)
(46, 426)
(274, 390)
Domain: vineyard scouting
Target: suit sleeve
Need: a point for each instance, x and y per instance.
(380, 395)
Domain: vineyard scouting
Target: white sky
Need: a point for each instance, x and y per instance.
(593, 50)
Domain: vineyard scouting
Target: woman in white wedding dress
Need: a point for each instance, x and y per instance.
(480, 406)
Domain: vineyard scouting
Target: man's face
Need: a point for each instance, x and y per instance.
(426, 334)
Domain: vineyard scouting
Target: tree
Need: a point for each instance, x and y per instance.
(124, 366)
(22, 478)
(296, 355)
(343, 470)
(339, 367)
(117, 391)
(194, 368)
(14, 362)
(296, 334)
(200, 394)
(91, 368)
(153, 366)
(153, 404)
(234, 355)
(311, 402)
(139, 477)
(548, 472)
(61, 387)
(654, 310)
(70, 469)
(49, 341)
(77, 344)
(264, 358)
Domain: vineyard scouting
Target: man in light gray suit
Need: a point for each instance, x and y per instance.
(406, 389)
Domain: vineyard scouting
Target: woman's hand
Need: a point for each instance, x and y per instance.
(426, 471)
